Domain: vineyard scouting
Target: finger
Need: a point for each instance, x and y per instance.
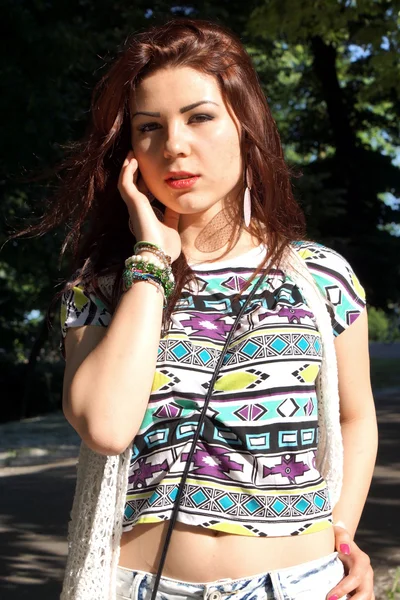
(342, 540)
(171, 218)
(129, 165)
(361, 592)
(127, 180)
(129, 157)
(358, 583)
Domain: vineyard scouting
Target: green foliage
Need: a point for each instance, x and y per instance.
(337, 114)
(383, 326)
(335, 96)
(378, 325)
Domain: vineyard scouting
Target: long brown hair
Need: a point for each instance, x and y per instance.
(88, 199)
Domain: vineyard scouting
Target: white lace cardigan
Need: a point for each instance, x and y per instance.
(97, 512)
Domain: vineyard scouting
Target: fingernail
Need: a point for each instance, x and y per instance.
(345, 548)
(334, 597)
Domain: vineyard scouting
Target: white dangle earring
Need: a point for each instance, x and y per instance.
(247, 198)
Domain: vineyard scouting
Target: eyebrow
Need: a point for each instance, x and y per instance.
(181, 110)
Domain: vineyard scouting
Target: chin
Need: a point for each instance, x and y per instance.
(189, 203)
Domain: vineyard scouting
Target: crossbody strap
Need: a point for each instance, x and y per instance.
(197, 432)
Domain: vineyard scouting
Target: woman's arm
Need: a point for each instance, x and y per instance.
(359, 430)
(358, 422)
(109, 372)
(109, 375)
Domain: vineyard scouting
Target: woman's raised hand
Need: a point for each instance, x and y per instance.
(144, 221)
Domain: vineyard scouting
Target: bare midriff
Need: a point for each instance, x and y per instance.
(199, 555)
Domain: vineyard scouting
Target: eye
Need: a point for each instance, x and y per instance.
(201, 118)
(148, 127)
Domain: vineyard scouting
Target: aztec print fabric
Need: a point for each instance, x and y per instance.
(253, 470)
(79, 308)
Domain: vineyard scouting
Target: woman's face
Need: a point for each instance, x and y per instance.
(190, 130)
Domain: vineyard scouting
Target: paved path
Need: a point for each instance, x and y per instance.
(379, 530)
(35, 501)
(37, 441)
(37, 482)
(34, 504)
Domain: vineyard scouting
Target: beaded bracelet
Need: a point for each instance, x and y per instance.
(157, 250)
(163, 258)
(143, 263)
(130, 277)
(142, 267)
(138, 244)
(135, 258)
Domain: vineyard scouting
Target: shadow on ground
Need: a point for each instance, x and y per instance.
(35, 512)
(35, 505)
(379, 530)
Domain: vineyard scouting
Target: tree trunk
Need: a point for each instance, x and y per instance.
(361, 217)
(43, 334)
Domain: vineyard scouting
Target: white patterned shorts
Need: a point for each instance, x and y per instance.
(307, 581)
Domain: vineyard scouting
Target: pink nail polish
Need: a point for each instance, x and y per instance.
(345, 549)
(334, 597)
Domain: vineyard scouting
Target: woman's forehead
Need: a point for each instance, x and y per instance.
(176, 86)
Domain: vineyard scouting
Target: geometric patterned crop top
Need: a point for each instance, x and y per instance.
(253, 471)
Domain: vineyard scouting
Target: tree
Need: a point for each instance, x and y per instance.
(337, 113)
(341, 126)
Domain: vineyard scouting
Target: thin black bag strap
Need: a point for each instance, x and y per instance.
(197, 433)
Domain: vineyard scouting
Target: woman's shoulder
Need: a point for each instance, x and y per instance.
(321, 259)
(82, 304)
(336, 279)
(99, 288)
(316, 253)
(87, 303)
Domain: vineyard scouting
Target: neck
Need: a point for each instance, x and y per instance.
(191, 226)
(216, 241)
(208, 235)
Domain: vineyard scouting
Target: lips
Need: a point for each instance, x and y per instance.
(179, 175)
(182, 183)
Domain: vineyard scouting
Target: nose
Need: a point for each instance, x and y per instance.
(176, 142)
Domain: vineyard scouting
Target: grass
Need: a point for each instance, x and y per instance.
(393, 593)
(385, 372)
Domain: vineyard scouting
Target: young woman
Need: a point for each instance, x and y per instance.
(183, 160)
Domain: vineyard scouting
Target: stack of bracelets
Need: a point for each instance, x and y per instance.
(140, 268)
